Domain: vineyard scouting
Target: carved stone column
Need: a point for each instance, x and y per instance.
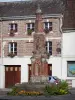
(39, 64)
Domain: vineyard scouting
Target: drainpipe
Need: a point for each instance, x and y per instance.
(61, 53)
(1, 43)
(1, 64)
(60, 29)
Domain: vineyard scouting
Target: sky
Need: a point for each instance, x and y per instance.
(11, 0)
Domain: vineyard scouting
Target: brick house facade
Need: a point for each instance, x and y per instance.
(25, 40)
(17, 19)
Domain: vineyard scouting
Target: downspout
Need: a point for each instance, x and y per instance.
(60, 29)
(1, 43)
(1, 63)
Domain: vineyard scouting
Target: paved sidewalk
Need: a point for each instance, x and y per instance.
(4, 91)
(61, 97)
(72, 90)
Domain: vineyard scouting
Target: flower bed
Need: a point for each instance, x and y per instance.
(28, 93)
(17, 92)
(49, 89)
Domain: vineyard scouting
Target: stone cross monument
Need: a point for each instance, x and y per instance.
(39, 65)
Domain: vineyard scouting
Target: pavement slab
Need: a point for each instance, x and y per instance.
(61, 97)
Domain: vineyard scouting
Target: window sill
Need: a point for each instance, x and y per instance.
(11, 55)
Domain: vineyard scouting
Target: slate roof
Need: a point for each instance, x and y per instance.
(27, 8)
(69, 15)
(23, 8)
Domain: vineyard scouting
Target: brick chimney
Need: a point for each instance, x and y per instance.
(38, 21)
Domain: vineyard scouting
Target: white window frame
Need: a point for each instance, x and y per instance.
(12, 47)
(48, 25)
(48, 46)
(14, 26)
(30, 26)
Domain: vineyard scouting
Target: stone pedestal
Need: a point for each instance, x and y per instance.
(39, 70)
(40, 78)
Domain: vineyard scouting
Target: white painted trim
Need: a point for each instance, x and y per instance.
(48, 25)
(47, 38)
(32, 16)
(68, 56)
(51, 38)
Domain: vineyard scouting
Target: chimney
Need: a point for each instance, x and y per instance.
(38, 21)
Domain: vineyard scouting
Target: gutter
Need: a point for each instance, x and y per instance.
(30, 17)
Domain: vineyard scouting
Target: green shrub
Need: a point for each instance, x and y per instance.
(14, 91)
(60, 89)
(51, 90)
(29, 31)
(63, 85)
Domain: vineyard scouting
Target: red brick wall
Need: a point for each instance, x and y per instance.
(25, 48)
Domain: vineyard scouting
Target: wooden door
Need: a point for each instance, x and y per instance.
(17, 74)
(50, 69)
(9, 77)
(12, 75)
(29, 75)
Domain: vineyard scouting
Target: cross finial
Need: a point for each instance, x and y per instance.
(38, 9)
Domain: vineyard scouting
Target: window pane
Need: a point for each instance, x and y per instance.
(32, 24)
(50, 23)
(50, 43)
(71, 68)
(50, 48)
(15, 44)
(28, 25)
(11, 49)
(46, 23)
(15, 25)
(28, 28)
(11, 44)
(11, 26)
(15, 49)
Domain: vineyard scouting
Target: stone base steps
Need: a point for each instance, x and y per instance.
(33, 86)
(69, 83)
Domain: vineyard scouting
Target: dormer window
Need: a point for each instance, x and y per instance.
(30, 28)
(12, 28)
(47, 27)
